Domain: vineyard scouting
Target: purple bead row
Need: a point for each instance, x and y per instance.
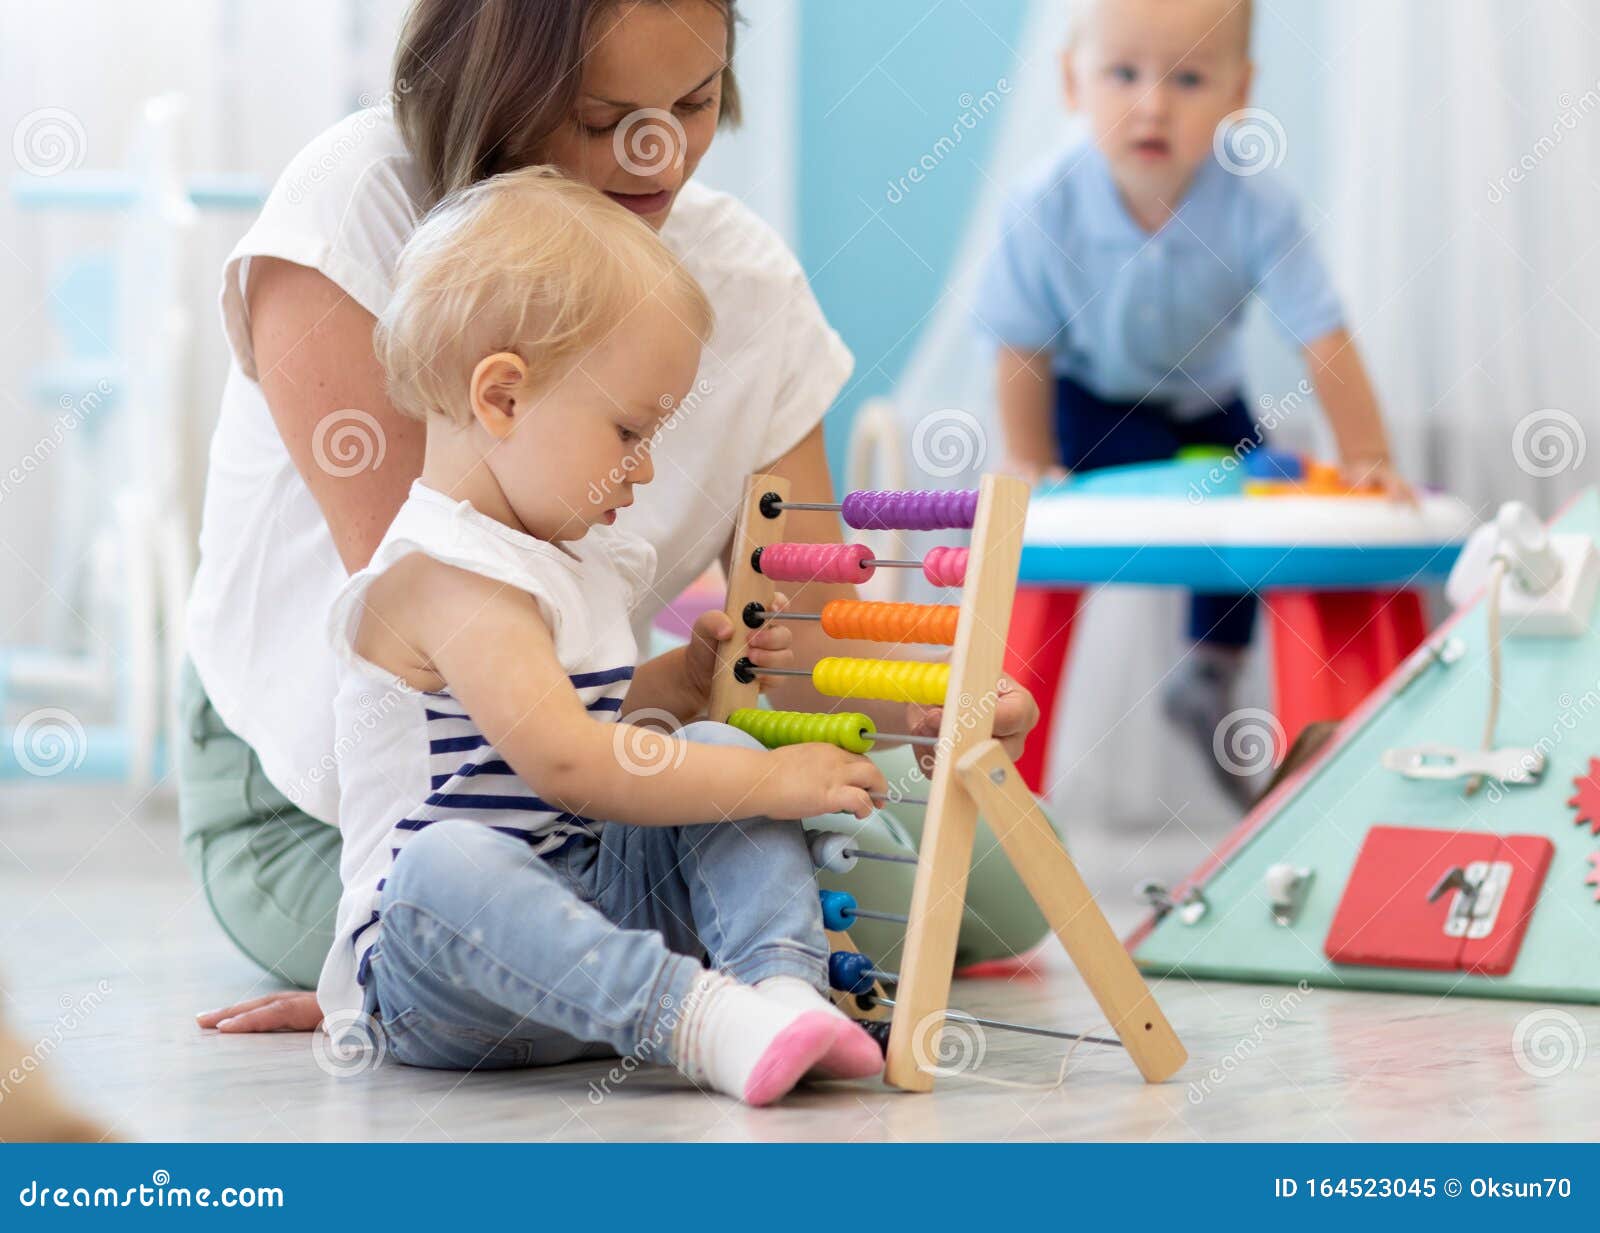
(910, 511)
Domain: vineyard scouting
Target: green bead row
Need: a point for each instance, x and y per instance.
(774, 728)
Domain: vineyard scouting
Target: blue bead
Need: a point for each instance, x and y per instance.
(838, 910)
(847, 972)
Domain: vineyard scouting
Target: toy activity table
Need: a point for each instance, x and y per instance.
(1339, 573)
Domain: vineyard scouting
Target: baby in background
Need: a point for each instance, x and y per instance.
(529, 876)
(1117, 291)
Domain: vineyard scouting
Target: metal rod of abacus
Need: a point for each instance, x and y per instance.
(821, 507)
(874, 563)
(1023, 1029)
(863, 854)
(888, 916)
(898, 800)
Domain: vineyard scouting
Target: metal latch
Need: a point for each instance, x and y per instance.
(1191, 908)
(1480, 889)
(1514, 767)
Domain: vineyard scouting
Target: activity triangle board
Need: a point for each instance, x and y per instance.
(1351, 874)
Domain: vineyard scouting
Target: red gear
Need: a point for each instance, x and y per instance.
(1587, 798)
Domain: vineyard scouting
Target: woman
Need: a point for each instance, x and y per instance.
(310, 462)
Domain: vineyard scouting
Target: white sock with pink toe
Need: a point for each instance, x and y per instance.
(855, 1055)
(747, 1046)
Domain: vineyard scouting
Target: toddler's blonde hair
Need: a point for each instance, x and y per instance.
(1081, 16)
(529, 262)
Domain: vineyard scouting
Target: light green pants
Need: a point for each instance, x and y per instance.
(271, 872)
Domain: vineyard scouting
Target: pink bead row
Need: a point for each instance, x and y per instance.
(943, 567)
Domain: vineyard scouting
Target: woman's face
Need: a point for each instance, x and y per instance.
(647, 104)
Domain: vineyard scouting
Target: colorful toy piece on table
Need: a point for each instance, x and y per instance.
(1283, 473)
(970, 770)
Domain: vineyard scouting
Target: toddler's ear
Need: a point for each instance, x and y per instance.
(1069, 78)
(497, 382)
(1245, 80)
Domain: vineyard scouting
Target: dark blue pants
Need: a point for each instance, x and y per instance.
(1095, 433)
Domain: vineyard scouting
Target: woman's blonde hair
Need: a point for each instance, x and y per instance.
(528, 262)
(478, 85)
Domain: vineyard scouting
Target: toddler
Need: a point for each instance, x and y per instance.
(1117, 291)
(529, 875)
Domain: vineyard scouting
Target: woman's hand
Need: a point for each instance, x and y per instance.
(771, 646)
(1015, 714)
(276, 1012)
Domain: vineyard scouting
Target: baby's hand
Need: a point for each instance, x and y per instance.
(1381, 473)
(1035, 474)
(811, 779)
(769, 647)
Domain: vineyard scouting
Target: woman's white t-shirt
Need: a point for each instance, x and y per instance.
(268, 570)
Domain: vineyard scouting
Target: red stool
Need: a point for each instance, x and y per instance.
(1329, 651)
(1036, 659)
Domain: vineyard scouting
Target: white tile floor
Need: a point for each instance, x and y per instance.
(91, 892)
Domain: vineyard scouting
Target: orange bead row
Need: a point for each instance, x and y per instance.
(884, 622)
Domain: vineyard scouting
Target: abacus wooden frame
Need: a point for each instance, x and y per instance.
(970, 770)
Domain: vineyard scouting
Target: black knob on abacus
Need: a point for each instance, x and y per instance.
(878, 1029)
(755, 560)
(755, 616)
(769, 504)
(744, 671)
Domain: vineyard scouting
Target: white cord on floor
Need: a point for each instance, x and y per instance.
(1015, 1085)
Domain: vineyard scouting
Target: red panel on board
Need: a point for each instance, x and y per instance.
(1385, 919)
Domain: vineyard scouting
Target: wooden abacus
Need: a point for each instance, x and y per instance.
(971, 771)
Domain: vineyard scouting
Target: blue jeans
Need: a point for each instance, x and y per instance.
(1096, 433)
(490, 957)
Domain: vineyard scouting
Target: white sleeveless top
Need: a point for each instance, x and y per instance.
(408, 759)
(268, 569)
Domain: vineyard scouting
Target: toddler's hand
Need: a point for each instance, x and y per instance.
(1380, 472)
(771, 646)
(1035, 474)
(811, 779)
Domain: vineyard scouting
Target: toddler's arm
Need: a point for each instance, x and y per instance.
(1025, 387)
(493, 649)
(1341, 382)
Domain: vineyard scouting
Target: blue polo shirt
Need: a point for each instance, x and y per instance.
(1134, 316)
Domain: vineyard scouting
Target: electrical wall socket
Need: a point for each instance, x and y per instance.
(1565, 609)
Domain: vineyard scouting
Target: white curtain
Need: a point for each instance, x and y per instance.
(1466, 142)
